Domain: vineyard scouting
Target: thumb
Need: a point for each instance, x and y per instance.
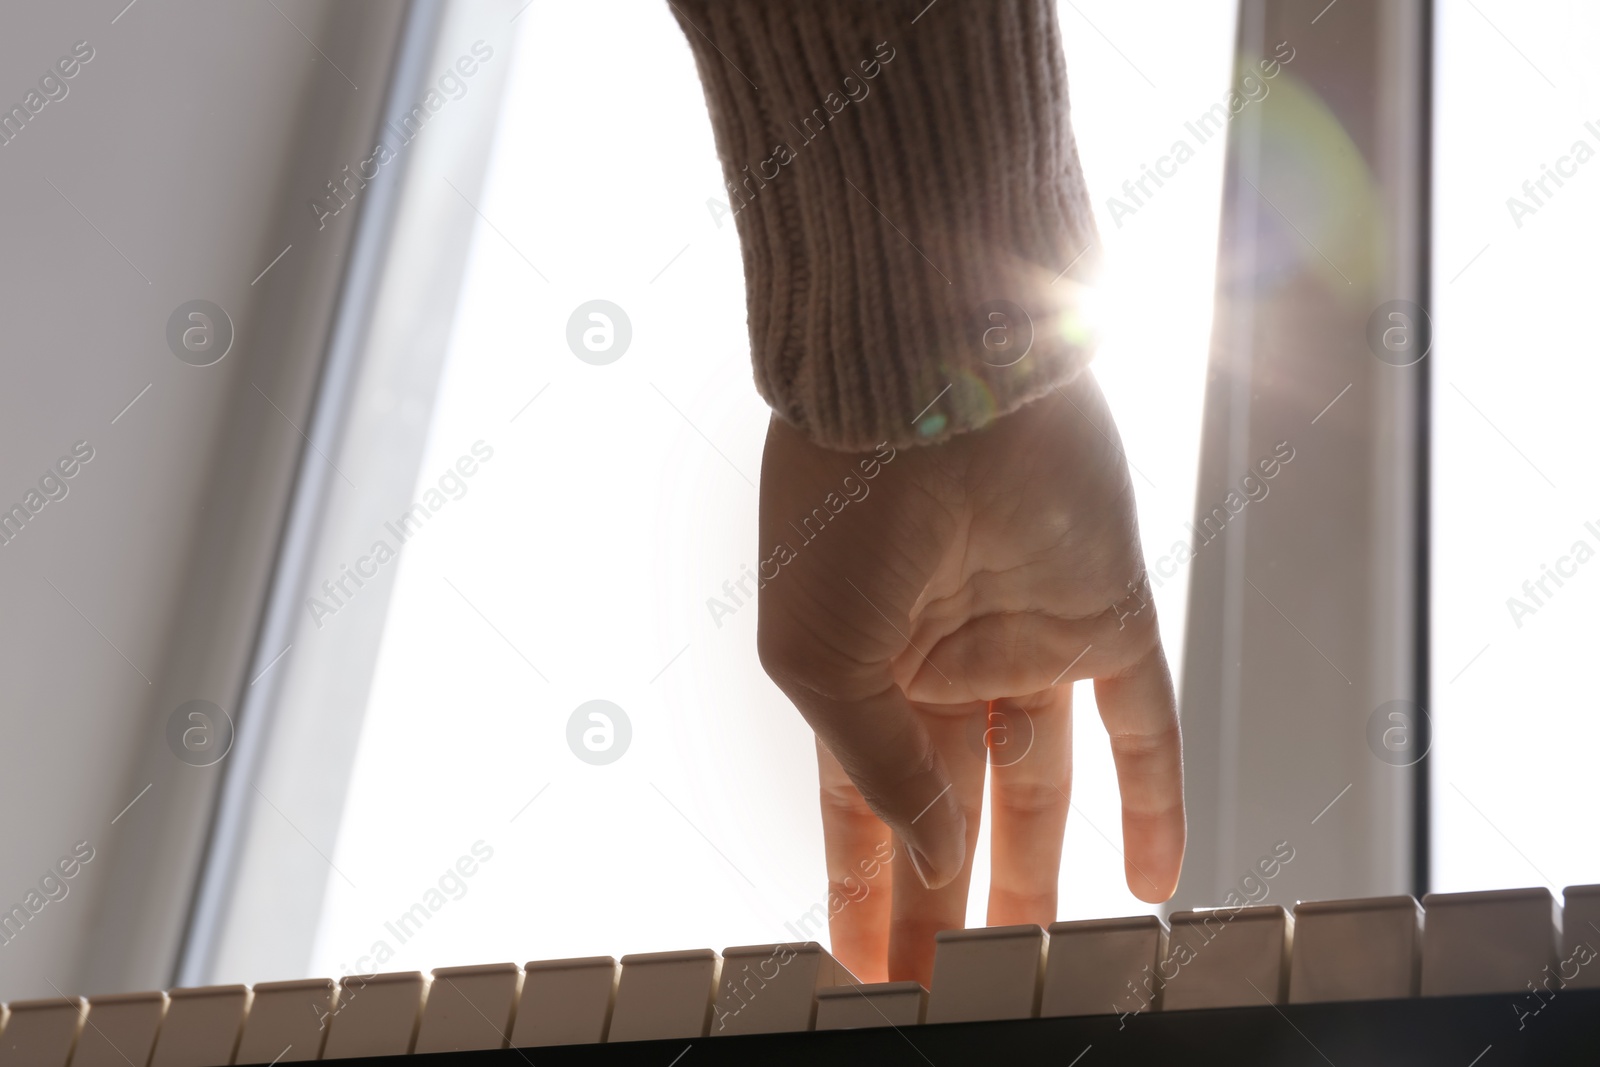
(887, 752)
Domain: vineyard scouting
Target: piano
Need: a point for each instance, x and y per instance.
(1467, 979)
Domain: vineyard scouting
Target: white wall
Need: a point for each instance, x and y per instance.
(188, 147)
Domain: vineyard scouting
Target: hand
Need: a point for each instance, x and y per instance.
(978, 577)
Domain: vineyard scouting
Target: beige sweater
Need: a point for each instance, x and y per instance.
(909, 201)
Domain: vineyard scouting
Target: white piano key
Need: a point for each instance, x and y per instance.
(288, 1021)
(1227, 958)
(202, 1026)
(991, 972)
(120, 1029)
(1102, 966)
(469, 1008)
(853, 1007)
(41, 1033)
(565, 1002)
(772, 989)
(1580, 926)
(1492, 942)
(665, 994)
(1364, 949)
(377, 1015)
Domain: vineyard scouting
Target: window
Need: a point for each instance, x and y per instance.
(605, 505)
(1516, 521)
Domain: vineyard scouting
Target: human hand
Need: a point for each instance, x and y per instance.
(979, 576)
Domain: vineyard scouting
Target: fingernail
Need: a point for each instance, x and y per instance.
(920, 864)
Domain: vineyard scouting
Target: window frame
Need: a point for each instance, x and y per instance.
(1334, 579)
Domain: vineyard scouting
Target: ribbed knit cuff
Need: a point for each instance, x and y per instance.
(909, 201)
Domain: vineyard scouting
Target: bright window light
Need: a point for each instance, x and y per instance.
(1516, 522)
(608, 503)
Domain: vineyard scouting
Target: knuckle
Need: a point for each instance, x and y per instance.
(1030, 799)
(780, 653)
(843, 800)
(849, 890)
(801, 664)
(1140, 746)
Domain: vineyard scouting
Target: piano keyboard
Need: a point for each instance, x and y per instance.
(1379, 980)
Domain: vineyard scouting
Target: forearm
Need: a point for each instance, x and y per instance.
(896, 170)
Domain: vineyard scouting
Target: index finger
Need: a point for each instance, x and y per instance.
(860, 851)
(1140, 713)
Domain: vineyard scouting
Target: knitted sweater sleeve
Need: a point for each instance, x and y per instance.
(908, 198)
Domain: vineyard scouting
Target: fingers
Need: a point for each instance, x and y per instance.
(860, 851)
(833, 620)
(1141, 715)
(1030, 781)
(886, 751)
(919, 912)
